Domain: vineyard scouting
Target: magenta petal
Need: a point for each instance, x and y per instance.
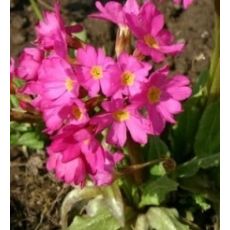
(172, 49)
(165, 113)
(172, 106)
(131, 6)
(52, 161)
(180, 93)
(157, 24)
(117, 134)
(158, 123)
(137, 130)
(102, 121)
(70, 153)
(187, 3)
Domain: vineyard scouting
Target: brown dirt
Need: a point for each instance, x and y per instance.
(35, 195)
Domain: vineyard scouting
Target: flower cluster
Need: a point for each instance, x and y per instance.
(87, 98)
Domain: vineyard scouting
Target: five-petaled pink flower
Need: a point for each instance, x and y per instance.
(119, 118)
(161, 97)
(57, 82)
(95, 69)
(56, 116)
(152, 39)
(131, 73)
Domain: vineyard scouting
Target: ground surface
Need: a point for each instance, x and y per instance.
(35, 195)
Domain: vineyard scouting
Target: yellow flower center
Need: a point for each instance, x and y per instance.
(69, 84)
(121, 115)
(127, 78)
(77, 113)
(154, 94)
(151, 41)
(96, 72)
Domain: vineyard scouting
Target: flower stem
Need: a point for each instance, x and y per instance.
(135, 158)
(36, 9)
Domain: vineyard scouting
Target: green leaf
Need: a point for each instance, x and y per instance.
(13, 101)
(191, 167)
(158, 170)
(101, 218)
(31, 140)
(207, 141)
(200, 200)
(155, 191)
(157, 149)
(183, 133)
(199, 86)
(160, 219)
(82, 35)
(18, 82)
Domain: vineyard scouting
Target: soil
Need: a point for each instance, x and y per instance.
(35, 195)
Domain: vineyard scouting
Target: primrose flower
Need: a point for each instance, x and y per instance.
(161, 97)
(152, 39)
(95, 70)
(52, 33)
(56, 117)
(119, 118)
(74, 154)
(57, 82)
(186, 3)
(115, 11)
(131, 74)
(28, 63)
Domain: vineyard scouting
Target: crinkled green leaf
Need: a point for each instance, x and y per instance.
(101, 217)
(207, 141)
(191, 167)
(155, 191)
(160, 218)
(24, 134)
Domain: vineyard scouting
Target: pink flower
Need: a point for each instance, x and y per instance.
(186, 3)
(52, 33)
(115, 11)
(74, 154)
(119, 118)
(153, 39)
(161, 97)
(56, 117)
(57, 82)
(95, 71)
(29, 63)
(131, 74)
